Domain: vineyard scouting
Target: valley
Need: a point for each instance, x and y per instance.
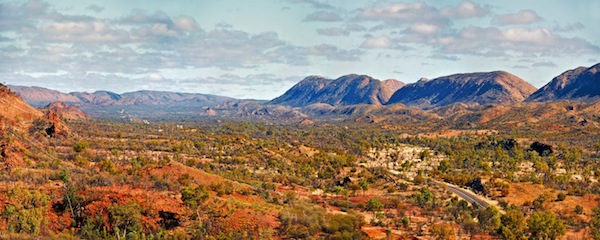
(172, 166)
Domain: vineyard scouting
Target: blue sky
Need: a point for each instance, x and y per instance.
(259, 49)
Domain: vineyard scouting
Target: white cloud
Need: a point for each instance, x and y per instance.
(522, 17)
(377, 42)
(401, 13)
(466, 9)
(476, 40)
(82, 31)
(185, 23)
(423, 28)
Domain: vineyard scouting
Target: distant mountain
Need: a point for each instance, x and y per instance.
(39, 97)
(470, 88)
(107, 104)
(346, 90)
(577, 84)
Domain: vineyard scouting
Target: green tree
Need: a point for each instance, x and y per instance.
(513, 225)
(301, 220)
(424, 197)
(194, 197)
(374, 205)
(489, 218)
(545, 225)
(126, 218)
(25, 212)
(80, 146)
(364, 185)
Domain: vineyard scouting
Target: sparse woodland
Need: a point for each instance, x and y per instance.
(238, 179)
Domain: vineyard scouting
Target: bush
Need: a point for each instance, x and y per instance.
(545, 225)
(561, 197)
(26, 211)
(80, 146)
(126, 218)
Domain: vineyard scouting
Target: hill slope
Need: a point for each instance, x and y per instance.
(576, 84)
(346, 90)
(469, 88)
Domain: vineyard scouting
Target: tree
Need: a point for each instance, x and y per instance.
(424, 197)
(595, 224)
(364, 185)
(194, 197)
(301, 220)
(26, 211)
(374, 205)
(80, 146)
(127, 218)
(489, 219)
(513, 225)
(545, 225)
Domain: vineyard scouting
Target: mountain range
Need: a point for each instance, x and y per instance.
(353, 94)
(576, 84)
(470, 88)
(346, 90)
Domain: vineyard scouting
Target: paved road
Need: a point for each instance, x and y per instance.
(467, 196)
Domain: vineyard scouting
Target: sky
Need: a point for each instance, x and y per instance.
(259, 49)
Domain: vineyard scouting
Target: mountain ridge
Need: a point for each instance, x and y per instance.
(346, 90)
(580, 83)
(469, 88)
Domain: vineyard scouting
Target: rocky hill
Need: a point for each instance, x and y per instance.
(66, 112)
(346, 90)
(21, 128)
(576, 84)
(470, 88)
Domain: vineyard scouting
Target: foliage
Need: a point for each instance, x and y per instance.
(301, 220)
(305, 220)
(443, 231)
(126, 218)
(513, 226)
(424, 197)
(595, 224)
(194, 196)
(80, 146)
(545, 225)
(489, 218)
(25, 212)
(374, 205)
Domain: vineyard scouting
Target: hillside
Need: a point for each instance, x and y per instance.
(576, 84)
(14, 110)
(470, 88)
(346, 90)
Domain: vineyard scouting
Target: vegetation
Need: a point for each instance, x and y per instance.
(236, 179)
